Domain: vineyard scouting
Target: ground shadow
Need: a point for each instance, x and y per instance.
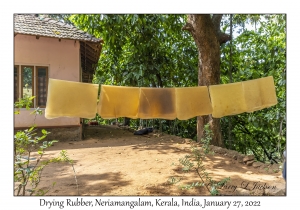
(96, 184)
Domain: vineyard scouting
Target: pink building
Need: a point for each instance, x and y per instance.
(45, 48)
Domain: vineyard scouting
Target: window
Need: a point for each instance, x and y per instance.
(42, 85)
(31, 81)
(16, 83)
(27, 81)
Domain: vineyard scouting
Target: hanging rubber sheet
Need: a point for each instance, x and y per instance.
(227, 99)
(192, 102)
(252, 95)
(118, 101)
(268, 92)
(71, 99)
(259, 93)
(157, 103)
(76, 99)
(239, 97)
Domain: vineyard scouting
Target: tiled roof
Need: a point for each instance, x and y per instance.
(39, 26)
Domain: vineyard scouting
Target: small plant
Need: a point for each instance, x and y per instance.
(190, 186)
(173, 180)
(23, 102)
(64, 157)
(194, 162)
(29, 150)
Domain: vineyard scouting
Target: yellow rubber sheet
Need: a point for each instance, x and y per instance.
(252, 95)
(192, 101)
(268, 92)
(227, 99)
(117, 101)
(71, 99)
(76, 99)
(259, 93)
(157, 103)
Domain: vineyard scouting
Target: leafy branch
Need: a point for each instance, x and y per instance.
(195, 162)
(29, 150)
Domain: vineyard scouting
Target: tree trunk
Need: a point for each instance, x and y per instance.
(208, 38)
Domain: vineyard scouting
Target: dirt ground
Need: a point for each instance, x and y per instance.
(113, 162)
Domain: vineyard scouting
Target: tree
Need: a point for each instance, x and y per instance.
(152, 50)
(208, 37)
(258, 53)
(142, 50)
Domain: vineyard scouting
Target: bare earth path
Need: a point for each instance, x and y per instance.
(114, 162)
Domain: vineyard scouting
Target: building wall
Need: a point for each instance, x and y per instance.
(63, 61)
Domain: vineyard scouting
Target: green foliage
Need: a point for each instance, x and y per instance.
(27, 77)
(23, 102)
(258, 53)
(29, 150)
(142, 50)
(206, 139)
(145, 50)
(152, 50)
(173, 180)
(195, 163)
(28, 168)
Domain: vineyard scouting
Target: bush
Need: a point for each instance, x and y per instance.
(29, 150)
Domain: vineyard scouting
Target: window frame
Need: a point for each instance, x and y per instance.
(17, 87)
(20, 76)
(37, 84)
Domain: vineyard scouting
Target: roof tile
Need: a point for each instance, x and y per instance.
(30, 24)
